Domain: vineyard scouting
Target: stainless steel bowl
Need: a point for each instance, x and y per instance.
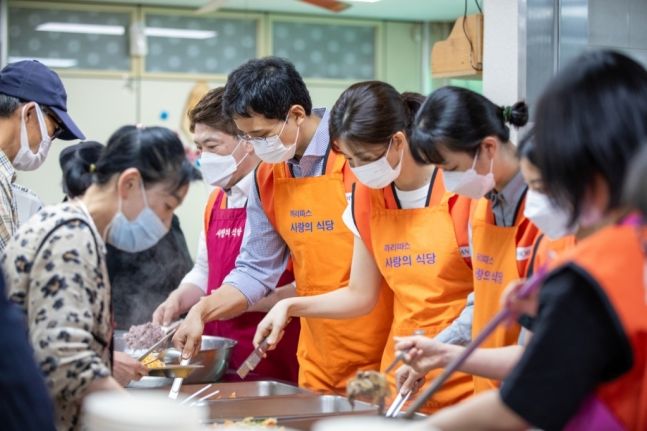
(214, 355)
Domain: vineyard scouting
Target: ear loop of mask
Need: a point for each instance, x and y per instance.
(478, 152)
(240, 141)
(41, 125)
(119, 209)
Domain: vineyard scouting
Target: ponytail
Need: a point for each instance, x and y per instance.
(77, 163)
(459, 119)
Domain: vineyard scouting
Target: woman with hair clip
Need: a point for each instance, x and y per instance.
(467, 135)
(425, 354)
(585, 367)
(56, 263)
(409, 233)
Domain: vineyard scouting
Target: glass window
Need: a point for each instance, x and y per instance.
(327, 50)
(70, 39)
(187, 44)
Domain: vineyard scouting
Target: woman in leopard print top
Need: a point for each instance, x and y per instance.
(55, 264)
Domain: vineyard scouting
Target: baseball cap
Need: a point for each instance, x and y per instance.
(30, 80)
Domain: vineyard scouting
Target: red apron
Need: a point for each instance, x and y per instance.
(224, 236)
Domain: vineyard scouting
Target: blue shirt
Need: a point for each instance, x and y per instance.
(263, 254)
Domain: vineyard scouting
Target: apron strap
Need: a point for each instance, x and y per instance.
(361, 210)
(217, 199)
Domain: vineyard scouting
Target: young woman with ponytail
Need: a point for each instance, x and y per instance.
(468, 136)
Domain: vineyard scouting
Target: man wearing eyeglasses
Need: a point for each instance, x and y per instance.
(33, 112)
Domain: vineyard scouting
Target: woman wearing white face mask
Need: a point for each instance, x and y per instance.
(55, 264)
(554, 223)
(227, 163)
(410, 235)
(426, 354)
(585, 367)
(468, 136)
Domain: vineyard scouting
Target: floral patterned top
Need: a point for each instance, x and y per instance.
(56, 273)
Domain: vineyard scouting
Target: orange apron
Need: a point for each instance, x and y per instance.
(614, 258)
(417, 253)
(546, 250)
(307, 213)
(500, 255)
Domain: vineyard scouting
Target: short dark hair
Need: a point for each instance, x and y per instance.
(371, 112)
(209, 111)
(156, 152)
(526, 148)
(590, 122)
(76, 163)
(8, 105)
(268, 86)
(459, 119)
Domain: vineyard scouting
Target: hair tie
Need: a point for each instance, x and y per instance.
(92, 168)
(507, 113)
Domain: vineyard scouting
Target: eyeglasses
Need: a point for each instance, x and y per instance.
(58, 127)
(263, 139)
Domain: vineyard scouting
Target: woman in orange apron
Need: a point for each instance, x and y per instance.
(410, 234)
(585, 367)
(467, 135)
(425, 354)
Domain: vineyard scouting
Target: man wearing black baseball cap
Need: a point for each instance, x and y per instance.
(33, 112)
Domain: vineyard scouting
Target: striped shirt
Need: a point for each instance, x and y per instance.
(8, 209)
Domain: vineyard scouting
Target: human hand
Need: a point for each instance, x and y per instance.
(125, 368)
(272, 327)
(188, 337)
(423, 354)
(510, 300)
(408, 380)
(167, 311)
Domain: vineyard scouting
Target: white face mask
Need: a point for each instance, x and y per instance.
(26, 160)
(378, 174)
(551, 220)
(469, 183)
(217, 170)
(272, 149)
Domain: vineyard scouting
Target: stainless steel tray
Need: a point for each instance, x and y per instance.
(286, 408)
(263, 388)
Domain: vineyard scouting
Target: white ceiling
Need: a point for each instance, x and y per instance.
(408, 10)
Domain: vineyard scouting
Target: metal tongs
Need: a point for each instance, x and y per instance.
(177, 382)
(400, 400)
(397, 404)
(169, 331)
(532, 284)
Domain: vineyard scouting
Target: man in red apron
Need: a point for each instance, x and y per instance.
(227, 163)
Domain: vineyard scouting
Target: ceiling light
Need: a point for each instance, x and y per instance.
(179, 33)
(60, 63)
(72, 27)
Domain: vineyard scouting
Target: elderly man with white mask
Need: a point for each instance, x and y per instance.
(33, 112)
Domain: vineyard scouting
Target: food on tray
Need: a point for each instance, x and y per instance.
(251, 423)
(151, 361)
(143, 336)
(369, 385)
